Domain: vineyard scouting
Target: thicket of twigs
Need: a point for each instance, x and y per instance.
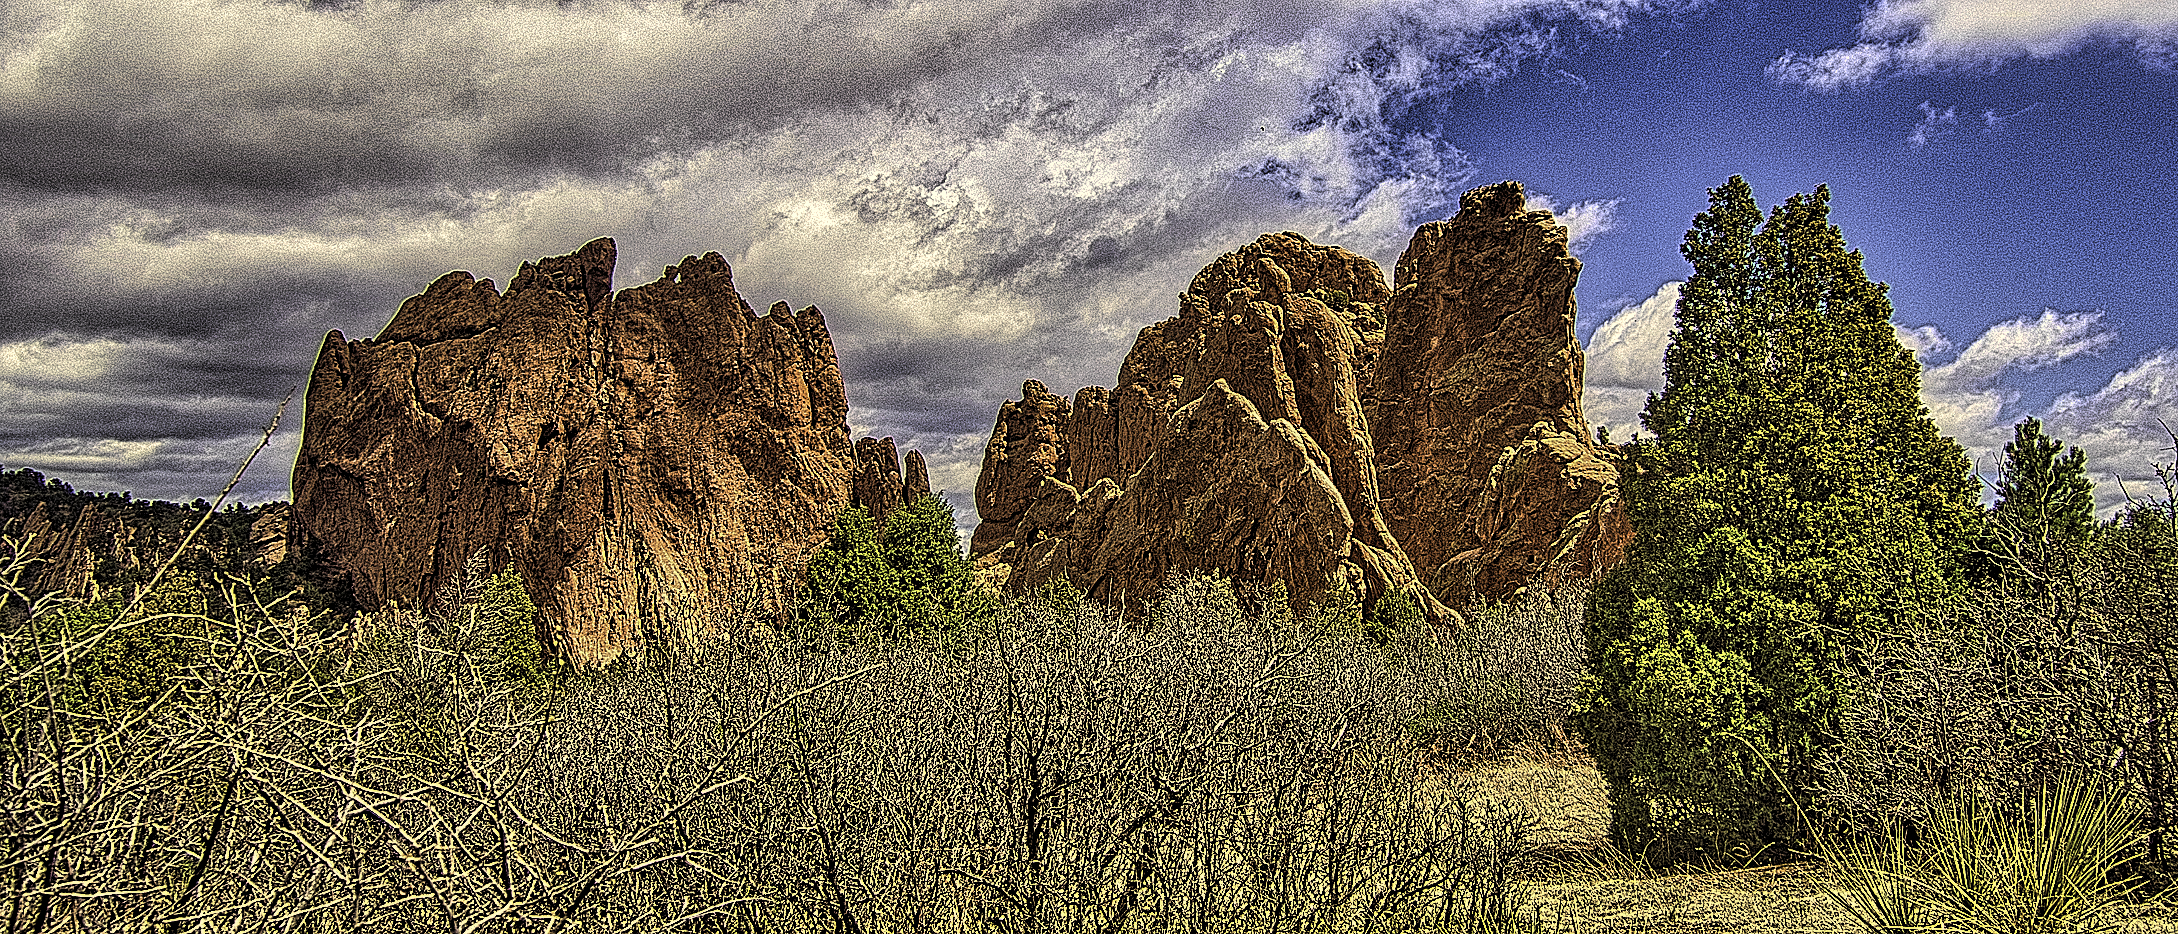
(2063, 668)
(1216, 766)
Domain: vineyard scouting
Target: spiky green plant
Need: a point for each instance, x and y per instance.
(2053, 870)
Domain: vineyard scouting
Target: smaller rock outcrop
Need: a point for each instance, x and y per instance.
(916, 484)
(92, 546)
(1026, 448)
(879, 486)
(1235, 440)
(1300, 421)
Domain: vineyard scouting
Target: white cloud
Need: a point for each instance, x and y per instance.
(84, 455)
(1993, 121)
(1901, 37)
(1625, 361)
(1583, 219)
(1974, 397)
(2123, 428)
(1935, 124)
(1925, 341)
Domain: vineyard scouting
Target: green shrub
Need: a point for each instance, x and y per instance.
(906, 578)
(2049, 870)
(136, 654)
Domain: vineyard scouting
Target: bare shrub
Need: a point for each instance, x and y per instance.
(2063, 666)
(1511, 675)
(1220, 768)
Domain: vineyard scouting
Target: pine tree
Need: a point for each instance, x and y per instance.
(2045, 502)
(1795, 495)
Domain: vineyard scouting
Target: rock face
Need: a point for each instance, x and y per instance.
(1236, 440)
(879, 487)
(635, 455)
(1299, 421)
(85, 546)
(1490, 475)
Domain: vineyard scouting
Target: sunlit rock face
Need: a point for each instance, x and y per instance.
(639, 456)
(1299, 421)
(1235, 440)
(1490, 475)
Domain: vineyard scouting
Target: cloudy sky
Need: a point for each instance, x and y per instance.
(193, 191)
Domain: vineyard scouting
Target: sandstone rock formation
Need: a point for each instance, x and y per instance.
(635, 455)
(92, 546)
(879, 486)
(1490, 475)
(1299, 421)
(67, 545)
(1235, 440)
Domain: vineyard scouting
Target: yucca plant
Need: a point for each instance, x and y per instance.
(2047, 871)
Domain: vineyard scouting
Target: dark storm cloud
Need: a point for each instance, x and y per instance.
(195, 191)
(262, 100)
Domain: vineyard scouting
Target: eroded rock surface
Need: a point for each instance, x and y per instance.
(1489, 473)
(635, 455)
(1300, 421)
(879, 487)
(1258, 375)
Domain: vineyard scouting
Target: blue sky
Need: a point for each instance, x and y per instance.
(1985, 189)
(194, 191)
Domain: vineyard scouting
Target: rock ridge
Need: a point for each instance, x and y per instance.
(1425, 436)
(639, 456)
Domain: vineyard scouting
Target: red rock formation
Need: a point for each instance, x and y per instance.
(1489, 474)
(84, 546)
(877, 477)
(65, 544)
(635, 456)
(1299, 421)
(1086, 489)
(1025, 448)
(916, 485)
(879, 487)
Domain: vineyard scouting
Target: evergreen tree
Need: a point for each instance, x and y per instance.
(1795, 495)
(936, 586)
(2045, 502)
(905, 577)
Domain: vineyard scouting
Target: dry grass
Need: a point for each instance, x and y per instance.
(1580, 884)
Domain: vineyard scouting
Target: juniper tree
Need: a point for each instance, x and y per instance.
(904, 576)
(2045, 502)
(1795, 494)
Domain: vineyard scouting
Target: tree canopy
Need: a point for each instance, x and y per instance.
(1795, 494)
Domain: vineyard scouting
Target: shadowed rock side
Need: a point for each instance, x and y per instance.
(879, 487)
(1489, 473)
(1259, 373)
(637, 456)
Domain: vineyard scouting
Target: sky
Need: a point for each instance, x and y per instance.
(192, 192)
